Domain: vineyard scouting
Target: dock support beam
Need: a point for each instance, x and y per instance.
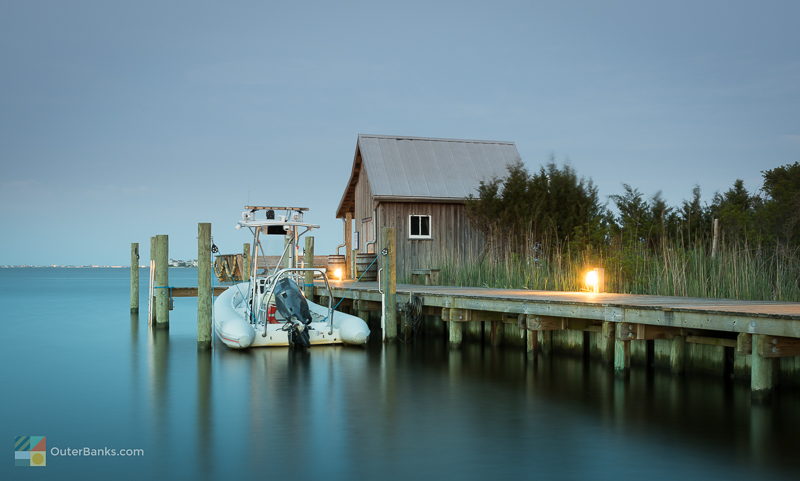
(677, 355)
(546, 344)
(531, 342)
(361, 312)
(162, 281)
(495, 333)
(246, 262)
(762, 374)
(134, 277)
(204, 292)
(389, 281)
(622, 353)
(308, 261)
(455, 328)
(607, 337)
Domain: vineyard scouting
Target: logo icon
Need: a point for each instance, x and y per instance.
(30, 451)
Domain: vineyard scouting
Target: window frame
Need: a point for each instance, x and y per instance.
(420, 236)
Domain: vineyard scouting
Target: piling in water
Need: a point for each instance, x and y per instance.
(134, 277)
(162, 281)
(389, 281)
(151, 292)
(204, 292)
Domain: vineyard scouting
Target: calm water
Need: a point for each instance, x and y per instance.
(79, 369)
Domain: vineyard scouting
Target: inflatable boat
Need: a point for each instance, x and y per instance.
(271, 308)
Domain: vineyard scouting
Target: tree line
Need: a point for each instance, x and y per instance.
(524, 210)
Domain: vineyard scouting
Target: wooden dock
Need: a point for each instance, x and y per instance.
(754, 340)
(744, 337)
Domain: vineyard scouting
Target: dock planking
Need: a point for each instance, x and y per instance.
(753, 317)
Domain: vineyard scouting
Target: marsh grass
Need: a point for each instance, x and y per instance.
(738, 271)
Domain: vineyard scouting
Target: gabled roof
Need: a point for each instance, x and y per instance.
(416, 168)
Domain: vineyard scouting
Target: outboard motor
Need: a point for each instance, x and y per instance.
(292, 305)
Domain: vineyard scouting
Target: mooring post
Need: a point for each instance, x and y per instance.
(162, 281)
(622, 353)
(134, 277)
(151, 292)
(204, 291)
(389, 281)
(677, 355)
(762, 369)
(308, 261)
(246, 261)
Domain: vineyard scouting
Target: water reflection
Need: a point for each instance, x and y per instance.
(205, 432)
(159, 375)
(338, 412)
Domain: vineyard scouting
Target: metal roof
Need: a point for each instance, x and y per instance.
(407, 168)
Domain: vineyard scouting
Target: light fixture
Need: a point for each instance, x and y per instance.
(338, 274)
(595, 280)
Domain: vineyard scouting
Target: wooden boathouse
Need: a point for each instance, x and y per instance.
(418, 186)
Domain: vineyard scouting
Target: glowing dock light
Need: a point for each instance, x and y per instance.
(338, 274)
(595, 280)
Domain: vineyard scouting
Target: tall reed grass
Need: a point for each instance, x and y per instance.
(738, 271)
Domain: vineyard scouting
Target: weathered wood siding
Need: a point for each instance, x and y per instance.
(451, 234)
(364, 215)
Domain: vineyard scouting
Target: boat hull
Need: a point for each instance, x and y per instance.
(232, 327)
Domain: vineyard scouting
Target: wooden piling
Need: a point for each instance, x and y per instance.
(546, 342)
(308, 261)
(162, 281)
(622, 357)
(455, 327)
(361, 312)
(134, 277)
(531, 342)
(204, 291)
(151, 292)
(677, 355)
(762, 369)
(246, 262)
(495, 333)
(389, 281)
(607, 336)
(622, 352)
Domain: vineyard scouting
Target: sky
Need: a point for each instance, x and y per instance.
(122, 120)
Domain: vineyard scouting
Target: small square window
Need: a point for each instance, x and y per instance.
(419, 227)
